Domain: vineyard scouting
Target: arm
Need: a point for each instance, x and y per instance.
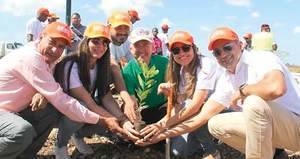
(270, 87)
(81, 94)
(35, 74)
(210, 108)
(190, 110)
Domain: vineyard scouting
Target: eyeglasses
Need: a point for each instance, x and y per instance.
(98, 41)
(226, 48)
(184, 48)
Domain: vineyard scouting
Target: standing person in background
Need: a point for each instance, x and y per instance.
(52, 18)
(134, 16)
(247, 45)
(164, 38)
(35, 26)
(156, 43)
(266, 28)
(24, 73)
(81, 75)
(120, 26)
(264, 40)
(78, 31)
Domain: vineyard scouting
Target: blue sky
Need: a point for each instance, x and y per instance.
(195, 16)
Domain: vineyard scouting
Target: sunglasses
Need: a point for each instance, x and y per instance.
(226, 48)
(184, 48)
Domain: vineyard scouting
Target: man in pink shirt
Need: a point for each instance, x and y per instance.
(25, 72)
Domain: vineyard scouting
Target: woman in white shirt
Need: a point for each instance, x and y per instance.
(193, 77)
(85, 75)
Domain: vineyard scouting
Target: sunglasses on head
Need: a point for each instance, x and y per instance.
(184, 48)
(226, 48)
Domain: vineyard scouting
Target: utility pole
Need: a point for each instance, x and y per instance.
(68, 11)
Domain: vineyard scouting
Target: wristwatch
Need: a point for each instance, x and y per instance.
(241, 89)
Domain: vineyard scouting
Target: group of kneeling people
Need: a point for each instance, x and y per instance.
(256, 86)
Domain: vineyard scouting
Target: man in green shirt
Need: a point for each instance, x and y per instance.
(144, 74)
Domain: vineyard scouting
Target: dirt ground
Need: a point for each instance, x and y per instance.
(108, 148)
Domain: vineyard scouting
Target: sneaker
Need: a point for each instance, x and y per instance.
(82, 147)
(61, 153)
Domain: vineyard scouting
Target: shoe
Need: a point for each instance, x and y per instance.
(61, 153)
(82, 147)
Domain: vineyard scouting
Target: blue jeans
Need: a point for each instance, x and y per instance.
(196, 142)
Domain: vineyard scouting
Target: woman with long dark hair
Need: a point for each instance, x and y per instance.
(82, 75)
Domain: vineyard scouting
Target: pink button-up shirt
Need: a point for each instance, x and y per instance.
(23, 73)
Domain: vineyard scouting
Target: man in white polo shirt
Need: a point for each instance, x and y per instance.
(262, 86)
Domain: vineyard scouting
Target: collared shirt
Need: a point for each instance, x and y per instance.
(23, 73)
(252, 68)
(156, 46)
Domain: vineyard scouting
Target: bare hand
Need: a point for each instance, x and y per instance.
(112, 124)
(38, 102)
(130, 108)
(165, 88)
(132, 134)
(152, 130)
(153, 140)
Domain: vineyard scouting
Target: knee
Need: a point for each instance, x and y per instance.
(254, 105)
(215, 127)
(23, 135)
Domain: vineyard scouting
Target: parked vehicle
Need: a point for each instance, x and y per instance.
(7, 47)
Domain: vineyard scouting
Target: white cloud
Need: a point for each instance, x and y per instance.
(142, 6)
(91, 9)
(297, 30)
(255, 14)
(238, 2)
(205, 29)
(28, 7)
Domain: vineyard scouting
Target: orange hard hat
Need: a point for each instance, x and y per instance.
(119, 18)
(134, 13)
(165, 26)
(181, 36)
(97, 30)
(43, 11)
(59, 30)
(222, 33)
(247, 35)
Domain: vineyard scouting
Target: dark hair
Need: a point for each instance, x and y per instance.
(77, 14)
(173, 74)
(82, 58)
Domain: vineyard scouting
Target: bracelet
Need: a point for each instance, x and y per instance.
(241, 89)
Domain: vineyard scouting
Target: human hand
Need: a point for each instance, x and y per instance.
(153, 140)
(152, 130)
(112, 124)
(132, 134)
(38, 102)
(130, 108)
(165, 88)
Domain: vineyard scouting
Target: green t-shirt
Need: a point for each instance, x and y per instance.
(130, 74)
